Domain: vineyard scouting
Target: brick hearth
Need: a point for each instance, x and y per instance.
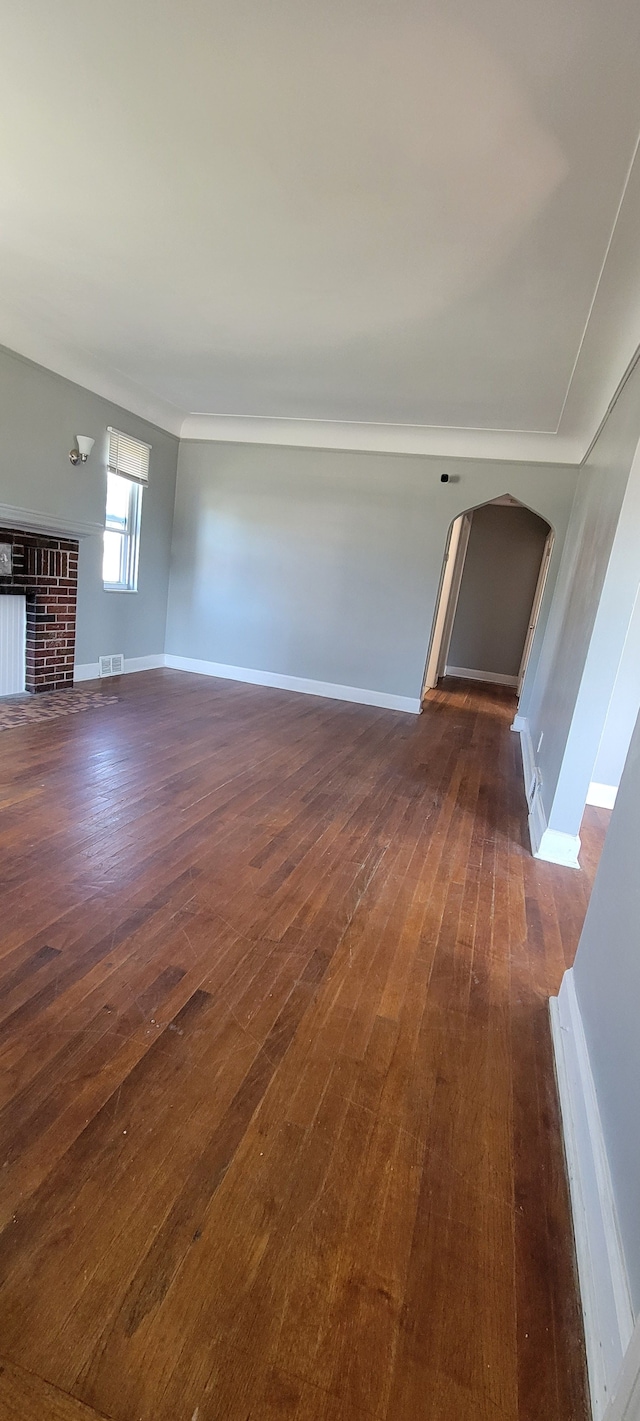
(45, 570)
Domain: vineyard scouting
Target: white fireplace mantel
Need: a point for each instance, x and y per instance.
(34, 522)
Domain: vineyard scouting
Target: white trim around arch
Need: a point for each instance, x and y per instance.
(450, 579)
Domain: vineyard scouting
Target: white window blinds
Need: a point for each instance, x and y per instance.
(128, 457)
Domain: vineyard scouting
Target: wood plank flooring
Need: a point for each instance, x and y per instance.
(278, 1124)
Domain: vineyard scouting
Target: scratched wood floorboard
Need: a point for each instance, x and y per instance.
(278, 1127)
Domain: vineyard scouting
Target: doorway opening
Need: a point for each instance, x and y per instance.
(494, 571)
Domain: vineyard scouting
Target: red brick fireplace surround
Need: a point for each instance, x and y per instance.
(45, 570)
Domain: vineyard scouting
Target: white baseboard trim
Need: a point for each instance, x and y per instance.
(467, 673)
(537, 820)
(555, 846)
(603, 796)
(90, 670)
(144, 663)
(294, 683)
(529, 769)
(546, 843)
(604, 1287)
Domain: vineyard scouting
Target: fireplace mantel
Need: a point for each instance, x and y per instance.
(31, 521)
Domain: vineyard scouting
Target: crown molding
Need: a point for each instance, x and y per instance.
(422, 440)
(82, 370)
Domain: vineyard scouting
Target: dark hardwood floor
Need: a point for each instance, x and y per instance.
(279, 1131)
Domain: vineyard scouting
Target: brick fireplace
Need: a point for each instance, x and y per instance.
(45, 572)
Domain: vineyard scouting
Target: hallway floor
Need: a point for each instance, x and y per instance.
(279, 1126)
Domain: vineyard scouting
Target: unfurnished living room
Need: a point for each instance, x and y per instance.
(319, 680)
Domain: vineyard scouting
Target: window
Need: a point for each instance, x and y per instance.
(121, 534)
(127, 473)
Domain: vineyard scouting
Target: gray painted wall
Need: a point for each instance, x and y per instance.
(498, 586)
(326, 565)
(623, 709)
(39, 415)
(607, 981)
(613, 616)
(566, 701)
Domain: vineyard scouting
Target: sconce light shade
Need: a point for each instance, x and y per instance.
(81, 454)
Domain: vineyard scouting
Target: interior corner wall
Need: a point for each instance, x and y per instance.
(40, 414)
(606, 975)
(604, 657)
(325, 565)
(566, 701)
(622, 710)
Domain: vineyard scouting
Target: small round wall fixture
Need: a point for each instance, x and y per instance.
(81, 453)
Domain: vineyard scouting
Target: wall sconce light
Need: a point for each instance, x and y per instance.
(81, 454)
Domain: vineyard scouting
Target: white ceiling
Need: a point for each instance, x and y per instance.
(389, 220)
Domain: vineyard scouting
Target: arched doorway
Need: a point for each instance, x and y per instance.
(494, 571)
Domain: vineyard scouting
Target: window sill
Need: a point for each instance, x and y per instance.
(116, 587)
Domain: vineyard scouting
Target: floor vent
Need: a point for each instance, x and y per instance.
(112, 665)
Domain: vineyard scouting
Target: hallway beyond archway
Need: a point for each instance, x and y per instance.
(494, 572)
